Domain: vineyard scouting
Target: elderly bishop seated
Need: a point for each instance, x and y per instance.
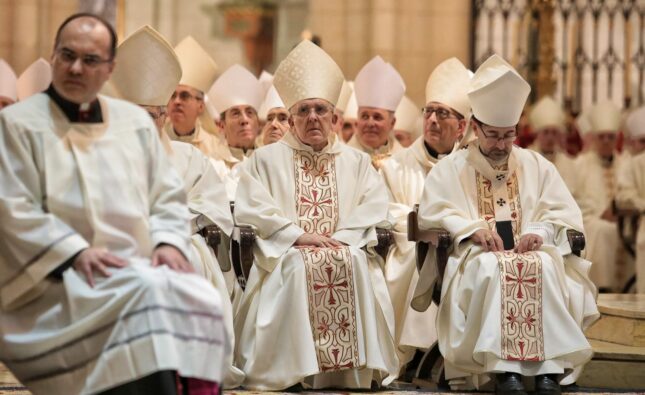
(514, 300)
(316, 310)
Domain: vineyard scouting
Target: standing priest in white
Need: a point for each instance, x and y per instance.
(97, 293)
(316, 310)
(445, 115)
(515, 300)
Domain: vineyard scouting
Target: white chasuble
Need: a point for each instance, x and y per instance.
(65, 187)
(594, 194)
(208, 204)
(503, 311)
(404, 175)
(316, 316)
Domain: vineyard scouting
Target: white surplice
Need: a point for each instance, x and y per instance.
(404, 175)
(201, 139)
(208, 204)
(378, 155)
(318, 316)
(522, 313)
(594, 189)
(631, 195)
(67, 186)
(226, 160)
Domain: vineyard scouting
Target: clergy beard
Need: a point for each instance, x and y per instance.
(495, 156)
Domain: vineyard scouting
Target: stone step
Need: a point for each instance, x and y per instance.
(614, 366)
(622, 320)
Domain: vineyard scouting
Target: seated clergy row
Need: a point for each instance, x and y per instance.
(98, 294)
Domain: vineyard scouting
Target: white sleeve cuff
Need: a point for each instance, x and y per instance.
(545, 230)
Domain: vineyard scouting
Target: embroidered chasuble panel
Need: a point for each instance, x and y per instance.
(522, 336)
(330, 282)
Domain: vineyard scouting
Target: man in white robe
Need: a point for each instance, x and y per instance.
(515, 300)
(237, 94)
(8, 92)
(315, 310)
(595, 193)
(97, 294)
(548, 123)
(631, 187)
(148, 74)
(444, 115)
(189, 120)
(378, 88)
(276, 118)
(405, 128)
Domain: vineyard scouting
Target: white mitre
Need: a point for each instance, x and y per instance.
(236, 87)
(308, 72)
(604, 117)
(351, 109)
(345, 93)
(449, 84)
(547, 113)
(498, 93)
(271, 101)
(198, 68)
(148, 69)
(8, 81)
(266, 80)
(635, 124)
(35, 79)
(379, 85)
(406, 114)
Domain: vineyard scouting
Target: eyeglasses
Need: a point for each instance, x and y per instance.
(442, 113)
(184, 96)
(494, 139)
(304, 110)
(90, 61)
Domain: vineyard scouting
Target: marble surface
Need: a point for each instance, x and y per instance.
(622, 305)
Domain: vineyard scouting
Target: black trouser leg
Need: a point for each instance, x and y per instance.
(158, 383)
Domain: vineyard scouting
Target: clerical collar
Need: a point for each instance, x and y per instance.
(606, 162)
(77, 113)
(187, 135)
(432, 152)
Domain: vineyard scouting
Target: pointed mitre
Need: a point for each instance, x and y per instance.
(308, 72)
(379, 85)
(8, 81)
(498, 93)
(271, 101)
(345, 93)
(35, 79)
(604, 117)
(406, 115)
(583, 123)
(635, 124)
(351, 109)
(148, 70)
(449, 84)
(235, 87)
(198, 68)
(547, 113)
(266, 80)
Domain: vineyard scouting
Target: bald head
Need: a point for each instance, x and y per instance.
(87, 22)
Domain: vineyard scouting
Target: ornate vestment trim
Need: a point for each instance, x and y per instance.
(522, 326)
(522, 336)
(329, 272)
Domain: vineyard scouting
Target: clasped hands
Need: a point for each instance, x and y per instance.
(97, 260)
(315, 240)
(490, 241)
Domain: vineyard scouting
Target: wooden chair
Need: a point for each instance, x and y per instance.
(628, 221)
(213, 236)
(244, 238)
(431, 366)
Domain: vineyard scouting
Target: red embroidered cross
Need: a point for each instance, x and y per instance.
(521, 279)
(314, 202)
(330, 284)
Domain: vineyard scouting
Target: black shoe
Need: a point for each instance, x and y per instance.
(547, 384)
(509, 384)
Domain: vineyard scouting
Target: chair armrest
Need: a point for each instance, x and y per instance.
(576, 241)
(213, 236)
(244, 237)
(385, 239)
